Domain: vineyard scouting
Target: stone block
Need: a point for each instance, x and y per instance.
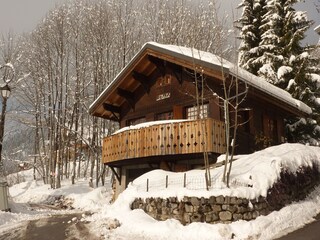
(233, 200)
(177, 217)
(216, 208)
(231, 208)
(196, 217)
(220, 199)
(173, 205)
(212, 200)
(188, 208)
(237, 216)
(208, 218)
(176, 211)
(173, 199)
(166, 210)
(224, 207)
(186, 199)
(227, 200)
(255, 214)
(247, 216)
(264, 212)
(246, 201)
(150, 208)
(225, 216)
(195, 201)
(241, 209)
(165, 203)
(186, 218)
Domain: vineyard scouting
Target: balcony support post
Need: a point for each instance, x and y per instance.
(118, 176)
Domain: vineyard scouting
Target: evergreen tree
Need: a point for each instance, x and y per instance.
(286, 63)
(250, 34)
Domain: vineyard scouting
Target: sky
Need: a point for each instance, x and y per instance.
(19, 16)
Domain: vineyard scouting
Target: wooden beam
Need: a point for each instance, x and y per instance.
(163, 66)
(128, 96)
(116, 174)
(159, 63)
(113, 109)
(177, 71)
(143, 80)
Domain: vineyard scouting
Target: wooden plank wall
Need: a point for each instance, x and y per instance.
(187, 137)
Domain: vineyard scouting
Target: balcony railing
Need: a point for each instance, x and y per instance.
(185, 137)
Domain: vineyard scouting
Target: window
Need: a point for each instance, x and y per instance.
(165, 80)
(191, 112)
(270, 127)
(244, 120)
(164, 116)
(136, 121)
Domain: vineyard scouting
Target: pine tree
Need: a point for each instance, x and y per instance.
(286, 63)
(250, 34)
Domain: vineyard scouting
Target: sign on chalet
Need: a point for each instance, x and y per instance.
(154, 99)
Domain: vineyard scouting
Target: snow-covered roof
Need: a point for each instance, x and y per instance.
(209, 61)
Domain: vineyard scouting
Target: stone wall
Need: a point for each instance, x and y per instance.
(210, 210)
(223, 209)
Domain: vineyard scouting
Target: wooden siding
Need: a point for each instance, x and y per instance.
(165, 139)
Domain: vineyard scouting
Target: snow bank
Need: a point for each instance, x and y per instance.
(260, 169)
(252, 175)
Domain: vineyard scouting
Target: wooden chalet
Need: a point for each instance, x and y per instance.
(154, 100)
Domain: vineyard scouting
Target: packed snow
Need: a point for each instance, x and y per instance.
(117, 221)
(148, 124)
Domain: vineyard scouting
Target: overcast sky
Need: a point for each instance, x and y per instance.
(23, 15)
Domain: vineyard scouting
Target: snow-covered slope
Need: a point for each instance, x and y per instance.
(260, 170)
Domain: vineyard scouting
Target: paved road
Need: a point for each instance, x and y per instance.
(309, 232)
(58, 227)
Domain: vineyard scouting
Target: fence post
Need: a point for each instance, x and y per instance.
(167, 181)
(207, 184)
(147, 184)
(184, 180)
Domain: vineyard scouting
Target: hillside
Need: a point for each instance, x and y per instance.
(252, 176)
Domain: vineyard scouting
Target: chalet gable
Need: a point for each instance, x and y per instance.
(155, 60)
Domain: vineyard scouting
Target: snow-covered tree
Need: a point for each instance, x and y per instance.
(250, 34)
(283, 60)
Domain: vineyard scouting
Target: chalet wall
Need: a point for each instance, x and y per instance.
(223, 209)
(169, 97)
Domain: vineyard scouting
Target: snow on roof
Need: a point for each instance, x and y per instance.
(242, 74)
(215, 62)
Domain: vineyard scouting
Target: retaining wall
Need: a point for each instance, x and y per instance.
(224, 209)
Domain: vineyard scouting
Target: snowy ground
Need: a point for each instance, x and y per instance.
(260, 170)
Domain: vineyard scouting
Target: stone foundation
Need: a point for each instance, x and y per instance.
(223, 209)
(218, 209)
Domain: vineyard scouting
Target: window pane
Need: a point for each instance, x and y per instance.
(192, 112)
(136, 121)
(164, 116)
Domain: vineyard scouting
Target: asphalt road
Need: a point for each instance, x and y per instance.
(310, 231)
(57, 227)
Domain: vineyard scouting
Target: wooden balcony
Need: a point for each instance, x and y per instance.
(172, 138)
